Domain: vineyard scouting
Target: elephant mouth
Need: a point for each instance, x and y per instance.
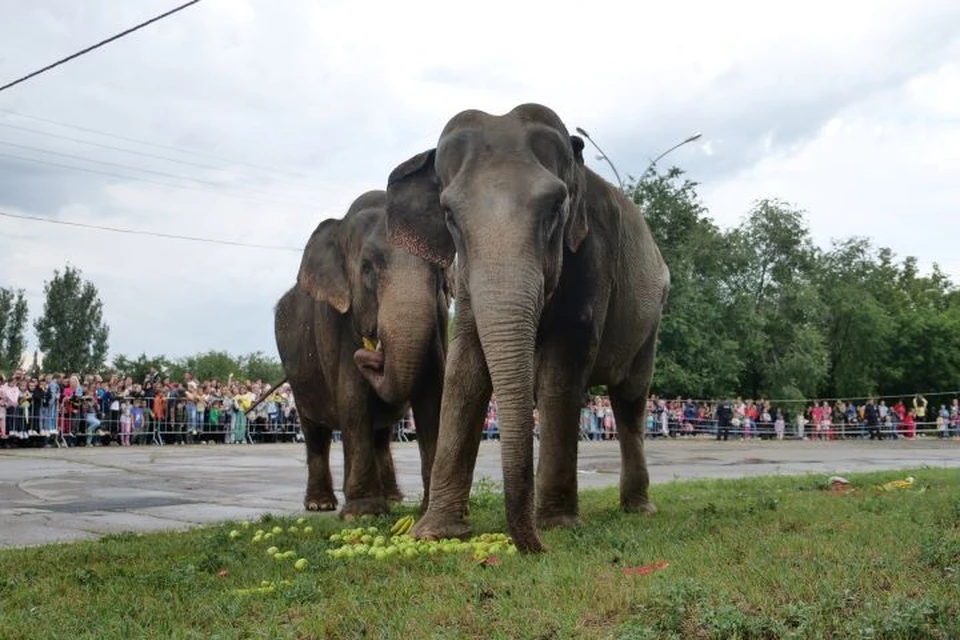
(369, 359)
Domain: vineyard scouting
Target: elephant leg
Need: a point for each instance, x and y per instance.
(556, 499)
(629, 402)
(426, 413)
(385, 468)
(319, 496)
(466, 394)
(362, 486)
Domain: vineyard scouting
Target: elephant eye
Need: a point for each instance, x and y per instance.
(451, 221)
(369, 273)
(555, 217)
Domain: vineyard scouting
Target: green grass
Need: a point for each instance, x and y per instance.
(761, 558)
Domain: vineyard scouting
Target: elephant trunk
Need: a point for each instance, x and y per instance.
(406, 327)
(507, 308)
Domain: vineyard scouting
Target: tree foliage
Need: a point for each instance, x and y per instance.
(760, 310)
(13, 325)
(71, 332)
(205, 366)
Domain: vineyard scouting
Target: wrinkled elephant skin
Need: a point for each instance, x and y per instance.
(362, 337)
(560, 285)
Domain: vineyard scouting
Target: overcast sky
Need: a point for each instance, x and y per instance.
(849, 110)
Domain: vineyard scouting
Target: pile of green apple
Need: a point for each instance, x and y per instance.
(261, 535)
(363, 542)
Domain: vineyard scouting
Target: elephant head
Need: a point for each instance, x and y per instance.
(388, 296)
(505, 194)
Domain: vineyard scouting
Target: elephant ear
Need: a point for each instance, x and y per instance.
(323, 272)
(415, 221)
(577, 227)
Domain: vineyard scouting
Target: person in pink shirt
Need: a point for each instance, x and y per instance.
(909, 425)
(9, 399)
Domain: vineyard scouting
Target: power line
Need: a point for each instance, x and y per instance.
(156, 145)
(146, 180)
(105, 163)
(157, 234)
(111, 147)
(95, 46)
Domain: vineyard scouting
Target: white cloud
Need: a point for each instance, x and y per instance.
(849, 110)
(881, 169)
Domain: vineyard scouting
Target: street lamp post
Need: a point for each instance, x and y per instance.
(603, 156)
(653, 162)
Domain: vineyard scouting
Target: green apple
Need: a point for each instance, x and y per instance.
(300, 564)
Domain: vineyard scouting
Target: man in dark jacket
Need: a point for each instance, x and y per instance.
(724, 416)
(872, 417)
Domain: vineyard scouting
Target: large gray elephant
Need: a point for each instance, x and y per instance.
(355, 287)
(560, 286)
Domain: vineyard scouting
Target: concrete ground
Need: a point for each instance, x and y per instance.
(54, 495)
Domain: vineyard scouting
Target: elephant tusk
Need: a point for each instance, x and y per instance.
(379, 346)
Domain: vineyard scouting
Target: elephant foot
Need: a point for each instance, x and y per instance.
(528, 541)
(394, 495)
(364, 507)
(638, 506)
(558, 520)
(320, 503)
(431, 527)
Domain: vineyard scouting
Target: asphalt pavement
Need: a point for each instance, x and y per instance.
(59, 495)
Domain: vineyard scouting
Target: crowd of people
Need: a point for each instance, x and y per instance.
(60, 410)
(817, 420)
(748, 419)
(56, 409)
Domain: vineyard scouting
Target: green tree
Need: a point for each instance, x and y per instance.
(782, 344)
(34, 371)
(858, 325)
(698, 354)
(208, 366)
(13, 325)
(259, 366)
(71, 331)
(141, 367)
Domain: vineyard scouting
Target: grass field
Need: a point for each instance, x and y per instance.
(760, 558)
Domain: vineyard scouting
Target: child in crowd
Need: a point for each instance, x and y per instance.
(125, 417)
(137, 420)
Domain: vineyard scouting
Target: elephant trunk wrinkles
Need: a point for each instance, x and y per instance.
(406, 329)
(507, 318)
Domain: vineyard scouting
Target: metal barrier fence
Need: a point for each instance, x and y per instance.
(80, 422)
(708, 427)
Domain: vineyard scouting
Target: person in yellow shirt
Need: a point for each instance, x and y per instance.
(920, 407)
(243, 403)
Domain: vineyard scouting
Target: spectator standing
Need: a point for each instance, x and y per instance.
(724, 420)
(871, 416)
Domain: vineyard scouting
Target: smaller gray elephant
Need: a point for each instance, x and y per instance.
(362, 337)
